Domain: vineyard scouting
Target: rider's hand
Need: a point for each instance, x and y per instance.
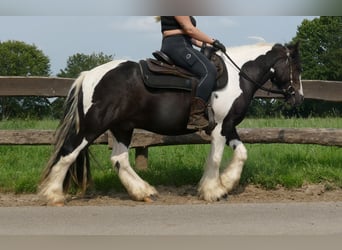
(218, 45)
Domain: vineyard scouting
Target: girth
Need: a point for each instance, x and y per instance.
(162, 73)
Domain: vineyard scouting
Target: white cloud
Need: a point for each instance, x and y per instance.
(136, 24)
(226, 22)
(257, 38)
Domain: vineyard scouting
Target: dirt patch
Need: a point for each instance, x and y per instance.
(187, 195)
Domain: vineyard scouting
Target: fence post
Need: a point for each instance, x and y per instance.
(141, 158)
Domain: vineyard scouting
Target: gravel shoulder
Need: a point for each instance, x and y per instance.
(186, 195)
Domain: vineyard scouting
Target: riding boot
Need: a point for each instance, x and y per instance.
(197, 119)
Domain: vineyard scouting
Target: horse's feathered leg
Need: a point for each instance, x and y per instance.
(137, 188)
(69, 144)
(230, 177)
(52, 185)
(70, 160)
(210, 187)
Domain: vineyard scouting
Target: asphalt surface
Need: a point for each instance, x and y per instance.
(211, 219)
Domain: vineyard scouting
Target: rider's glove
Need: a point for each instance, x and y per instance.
(218, 45)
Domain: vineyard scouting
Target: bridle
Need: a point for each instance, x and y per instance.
(286, 92)
(290, 90)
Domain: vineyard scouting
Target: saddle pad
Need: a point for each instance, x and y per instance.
(163, 81)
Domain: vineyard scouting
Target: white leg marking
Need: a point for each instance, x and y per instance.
(301, 92)
(210, 187)
(137, 188)
(53, 187)
(232, 174)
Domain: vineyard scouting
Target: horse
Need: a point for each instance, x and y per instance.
(114, 97)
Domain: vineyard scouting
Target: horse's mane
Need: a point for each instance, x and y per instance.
(281, 50)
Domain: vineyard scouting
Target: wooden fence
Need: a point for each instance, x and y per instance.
(55, 87)
(59, 87)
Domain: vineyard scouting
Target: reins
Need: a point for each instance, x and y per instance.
(243, 74)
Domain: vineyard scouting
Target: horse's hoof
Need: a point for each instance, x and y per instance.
(223, 198)
(150, 198)
(57, 204)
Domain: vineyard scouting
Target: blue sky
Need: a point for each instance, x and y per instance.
(134, 37)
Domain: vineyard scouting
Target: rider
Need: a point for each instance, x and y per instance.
(179, 34)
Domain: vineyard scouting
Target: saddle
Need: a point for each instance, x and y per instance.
(162, 73)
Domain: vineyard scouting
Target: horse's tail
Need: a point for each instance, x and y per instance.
(68, 128)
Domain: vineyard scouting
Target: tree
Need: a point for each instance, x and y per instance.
(321, 47)
(20, 59)
(81, 62)
(321, 51)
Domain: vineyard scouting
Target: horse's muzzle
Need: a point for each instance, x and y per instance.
(294, 99)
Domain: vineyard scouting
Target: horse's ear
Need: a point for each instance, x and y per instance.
(294, 48)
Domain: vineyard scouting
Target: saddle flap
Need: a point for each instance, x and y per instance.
(154, 76)
(168, 69)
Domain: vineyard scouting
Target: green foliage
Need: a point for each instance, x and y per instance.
(81, 62)
(315, 108)
(273, 108)
(321, 50)
(20, 59)
(265, 108)
(57, 108)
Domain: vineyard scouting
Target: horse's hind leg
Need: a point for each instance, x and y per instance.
(136, 187)
(52, 186)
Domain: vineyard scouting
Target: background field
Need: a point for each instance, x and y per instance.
(267, 166)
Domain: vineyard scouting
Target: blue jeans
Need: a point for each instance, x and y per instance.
(179, 49)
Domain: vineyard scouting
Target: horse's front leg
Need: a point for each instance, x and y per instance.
(210, 187)
(230, 177)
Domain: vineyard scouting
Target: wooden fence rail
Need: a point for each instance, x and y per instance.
(143, 139)
(59, 87)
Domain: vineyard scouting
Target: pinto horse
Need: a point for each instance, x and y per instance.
(113, 97)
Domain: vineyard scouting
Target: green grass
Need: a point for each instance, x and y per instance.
(292, 165)
(28, 124)
(292, 123)
(268, 165)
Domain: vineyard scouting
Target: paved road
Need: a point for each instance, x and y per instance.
(212, 219)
